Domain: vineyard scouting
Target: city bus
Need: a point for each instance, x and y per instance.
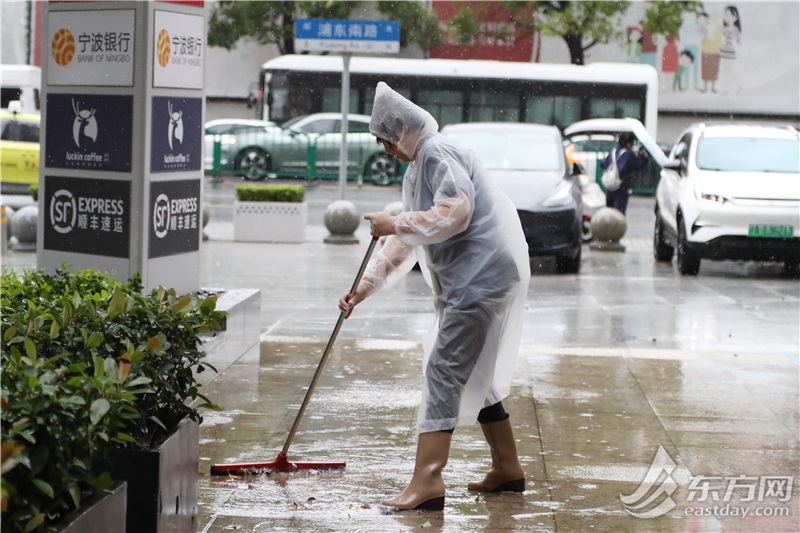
(463, 90)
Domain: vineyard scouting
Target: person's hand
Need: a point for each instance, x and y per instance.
(348, 302)
(642, 152)
(382, 223)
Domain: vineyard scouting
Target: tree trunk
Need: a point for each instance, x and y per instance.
(288, 33)
(575, 45)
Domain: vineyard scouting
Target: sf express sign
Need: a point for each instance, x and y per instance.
(87, 216)
(70, 213)
(175, 220)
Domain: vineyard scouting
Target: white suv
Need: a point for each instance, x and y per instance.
(730, 191)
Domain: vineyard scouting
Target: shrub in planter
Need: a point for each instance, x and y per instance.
(270, 193)
(270, 213)
(89, 365)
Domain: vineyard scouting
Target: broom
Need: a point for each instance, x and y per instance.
(282, 462)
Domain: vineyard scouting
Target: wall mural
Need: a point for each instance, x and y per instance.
(739, 57)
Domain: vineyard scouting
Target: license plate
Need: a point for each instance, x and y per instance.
(770, 231)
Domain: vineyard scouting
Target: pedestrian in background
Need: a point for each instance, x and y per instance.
(628, 164)
(467, 237)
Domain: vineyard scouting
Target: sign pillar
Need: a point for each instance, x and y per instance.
(122, 114)
(345, 125)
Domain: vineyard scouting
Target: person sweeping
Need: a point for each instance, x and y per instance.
(467, 237)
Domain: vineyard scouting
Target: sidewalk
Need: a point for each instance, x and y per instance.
(589, 421)
(616, 363)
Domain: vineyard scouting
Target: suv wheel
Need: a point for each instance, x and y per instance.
(688, 261)
(662, 251)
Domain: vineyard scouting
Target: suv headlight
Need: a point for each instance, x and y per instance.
(702, 195)
(562, 196)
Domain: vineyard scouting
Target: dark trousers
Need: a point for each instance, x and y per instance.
(618, 199)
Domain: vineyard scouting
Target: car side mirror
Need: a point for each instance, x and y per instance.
(674, 164)
(577, 169)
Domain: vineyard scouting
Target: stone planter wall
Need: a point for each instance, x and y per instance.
(269, 221)
(104, 513)
(162, 482)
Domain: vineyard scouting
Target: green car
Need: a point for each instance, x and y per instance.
(307, 146)
(19, 151)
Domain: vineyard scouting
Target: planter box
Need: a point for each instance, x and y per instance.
(101, 514)
(269, 221)
(162, 481)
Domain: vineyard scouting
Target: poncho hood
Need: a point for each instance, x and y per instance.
(399, 121)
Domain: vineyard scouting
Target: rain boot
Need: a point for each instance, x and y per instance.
(506, 474)
(426, 490)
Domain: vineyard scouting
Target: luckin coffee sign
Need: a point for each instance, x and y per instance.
(89, 132)
(177, 134)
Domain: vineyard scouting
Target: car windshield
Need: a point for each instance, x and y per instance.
(512, 150)
(17, 130)
(749, 154)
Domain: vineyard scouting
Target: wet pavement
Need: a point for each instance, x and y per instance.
(632, 382)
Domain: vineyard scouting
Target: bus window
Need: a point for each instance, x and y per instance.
(629, 109)
(494, 106)
(332, 100)
(560, 111)
(602, 108)
(614, 108)
(447, 107)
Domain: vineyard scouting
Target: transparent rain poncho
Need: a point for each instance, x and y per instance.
(467, 237)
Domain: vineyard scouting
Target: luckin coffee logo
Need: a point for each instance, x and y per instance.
(653, 497)
(84, 127)
(85, 131)
(175, 130)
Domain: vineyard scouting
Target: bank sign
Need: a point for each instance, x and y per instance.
(91, 47)
(89, 132)
(177, 134)
(178, 50)
(175, 217)
(87, 216)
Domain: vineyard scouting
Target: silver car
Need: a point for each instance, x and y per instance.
(528, 163)
(307, 146)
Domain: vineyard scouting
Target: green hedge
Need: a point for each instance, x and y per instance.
(271, 193)
(89, 364)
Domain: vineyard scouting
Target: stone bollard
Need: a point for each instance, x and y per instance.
(341, 219)
(608, 227)
(23, 228)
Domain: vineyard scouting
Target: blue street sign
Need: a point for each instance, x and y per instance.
(332, 35)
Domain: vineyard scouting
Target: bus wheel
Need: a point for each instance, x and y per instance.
(382, 169)
(253, 163)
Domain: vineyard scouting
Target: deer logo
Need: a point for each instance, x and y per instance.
(175, 125)
(84, 127)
